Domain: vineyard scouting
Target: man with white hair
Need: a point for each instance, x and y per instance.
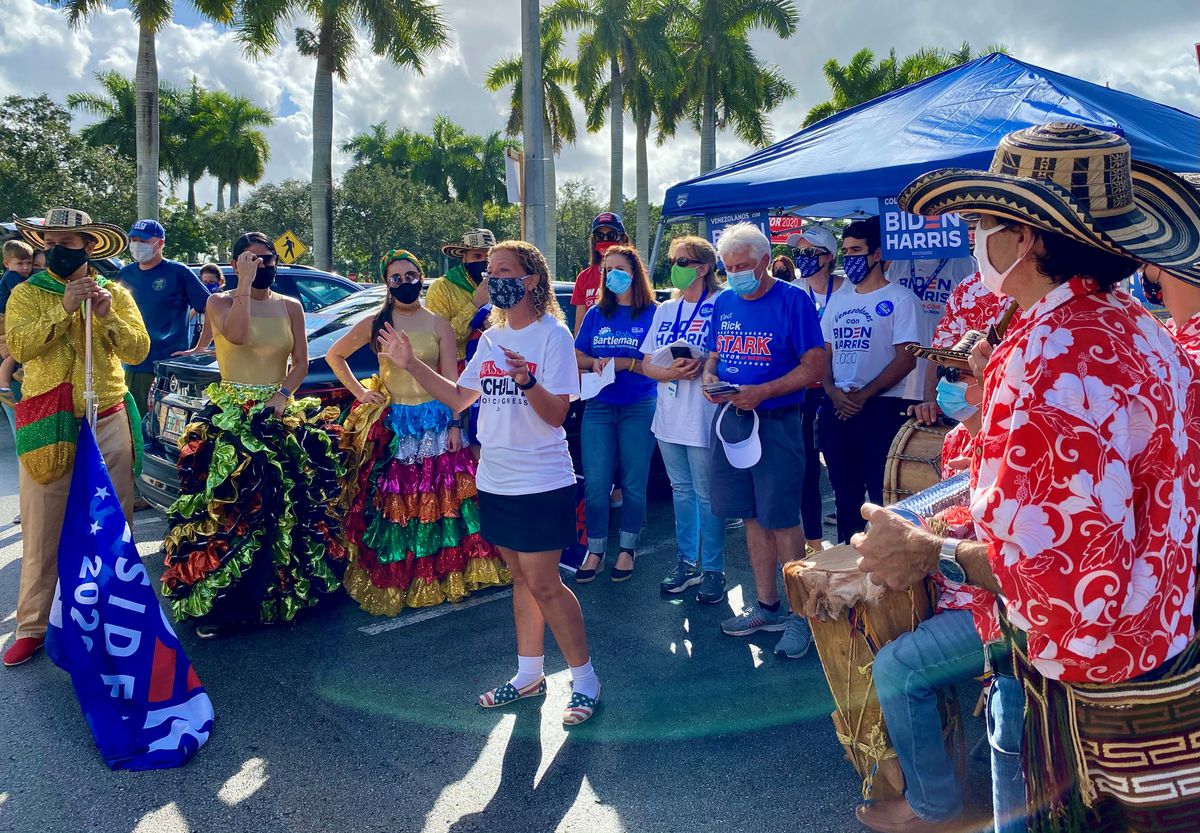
(764, 349)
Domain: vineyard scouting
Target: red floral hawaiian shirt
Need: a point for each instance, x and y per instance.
(951, 595)
(972, 306)
(1088, 484)
(1188, 336)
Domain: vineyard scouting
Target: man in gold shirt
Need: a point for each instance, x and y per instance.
(45, 330)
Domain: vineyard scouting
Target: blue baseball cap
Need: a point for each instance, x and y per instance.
(148, 229)
(608, 219)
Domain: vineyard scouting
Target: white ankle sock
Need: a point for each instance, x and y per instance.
(529, 670)
(584, 680)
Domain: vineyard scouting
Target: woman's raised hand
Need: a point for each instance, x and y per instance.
(396, 346)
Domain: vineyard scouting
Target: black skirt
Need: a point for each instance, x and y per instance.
(539, 522)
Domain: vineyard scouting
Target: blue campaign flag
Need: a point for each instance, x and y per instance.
(138, 691)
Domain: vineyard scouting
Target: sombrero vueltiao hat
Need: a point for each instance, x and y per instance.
(110, 239)
(1079, 182)
(479, 238)
(959, 356)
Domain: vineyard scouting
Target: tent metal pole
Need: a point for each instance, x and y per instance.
(658, 235)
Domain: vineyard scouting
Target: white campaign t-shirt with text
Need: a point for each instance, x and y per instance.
(931, 287)
(864, 329)
(685, 417)
(520, 453)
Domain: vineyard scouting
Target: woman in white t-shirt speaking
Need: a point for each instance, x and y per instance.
(524, 377)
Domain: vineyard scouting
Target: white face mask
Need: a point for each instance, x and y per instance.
(992, 277)
(141, 252)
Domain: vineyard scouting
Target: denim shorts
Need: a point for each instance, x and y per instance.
(769, 491)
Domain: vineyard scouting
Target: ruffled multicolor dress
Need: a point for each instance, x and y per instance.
(255, 535)
(412, 519)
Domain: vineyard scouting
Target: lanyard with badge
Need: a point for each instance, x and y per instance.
(912, 276)
(677, 333)
(828, 295)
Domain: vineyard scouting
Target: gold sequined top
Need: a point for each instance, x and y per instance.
(48, 341)
(400, 384)
(263, 359)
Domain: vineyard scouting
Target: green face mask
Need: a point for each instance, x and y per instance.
(682, 276)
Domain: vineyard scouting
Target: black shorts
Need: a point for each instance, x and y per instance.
(769, 491)
(529, 523)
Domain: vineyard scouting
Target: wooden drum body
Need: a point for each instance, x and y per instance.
(914, 462)
(851, 620)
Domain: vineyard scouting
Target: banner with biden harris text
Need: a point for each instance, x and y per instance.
(138, 691)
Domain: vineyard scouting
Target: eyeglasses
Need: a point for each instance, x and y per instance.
(953, 375)
(267, 260)
(811, 251)
(607, 236)
(686, 262)
(403, 277)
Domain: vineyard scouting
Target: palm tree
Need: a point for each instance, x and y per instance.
(483, 181)
(150, 15)
(441, 158)
(558, 122)
(403, 31)
(863, 78)
(378, 147)
(647, 81)
(186, 157)
(724, 83)
(238, 152)
(116, 108)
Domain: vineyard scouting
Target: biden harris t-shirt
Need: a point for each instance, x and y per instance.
(762, 340)
(864, 329)
(521, 454)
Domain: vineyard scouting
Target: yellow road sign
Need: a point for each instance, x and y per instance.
(289, 248)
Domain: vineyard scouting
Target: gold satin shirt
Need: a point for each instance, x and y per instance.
(48, 341)
(263, 359)
(400, 384)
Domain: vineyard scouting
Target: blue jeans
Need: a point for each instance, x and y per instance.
(942, 651)
(1006, 727)
(612, 433)
(699, 533)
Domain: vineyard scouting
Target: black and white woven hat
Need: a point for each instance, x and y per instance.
(110, 239)
(1081, 182)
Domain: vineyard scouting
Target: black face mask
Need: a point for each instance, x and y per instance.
(783, 274)
(65, 262)
(476, 269)
(406, 293)
(264, 277)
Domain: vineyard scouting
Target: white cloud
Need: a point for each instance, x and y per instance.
(1112, 41)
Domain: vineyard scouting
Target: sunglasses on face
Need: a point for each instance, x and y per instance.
(686, 262)
(953, 375)
(811, 251)
(607, 236)
(403, 277)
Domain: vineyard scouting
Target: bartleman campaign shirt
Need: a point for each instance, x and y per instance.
(864, 329)
(521, 454)
(761, 340)
(619, 337)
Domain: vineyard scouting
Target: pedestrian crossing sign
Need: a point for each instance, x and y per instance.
(289, 248)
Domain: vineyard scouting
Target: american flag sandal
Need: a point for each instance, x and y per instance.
(580, 708)
(504, 694)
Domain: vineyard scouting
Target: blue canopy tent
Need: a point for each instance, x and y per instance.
(842, 165)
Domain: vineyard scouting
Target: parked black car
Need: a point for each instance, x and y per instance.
(313, 288)
(178, 393)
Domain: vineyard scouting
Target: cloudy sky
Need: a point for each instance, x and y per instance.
(1144, 48)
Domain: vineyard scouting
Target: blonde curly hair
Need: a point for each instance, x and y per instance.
(533, 263)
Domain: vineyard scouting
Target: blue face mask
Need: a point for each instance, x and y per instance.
(856, 268)
(618, 281)
(808, 266)
(506, 293)
(744, 283)
(952, 399)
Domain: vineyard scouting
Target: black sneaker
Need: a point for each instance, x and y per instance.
(712, 589)
(681, 578)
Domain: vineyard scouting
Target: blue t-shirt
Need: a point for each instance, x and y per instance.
(761, 340)
(618, 337)
(163, 295)
(7, 284)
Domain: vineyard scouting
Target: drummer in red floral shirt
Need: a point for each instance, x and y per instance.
(1088, 460)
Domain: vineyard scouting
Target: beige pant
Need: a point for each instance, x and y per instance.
(42, 511)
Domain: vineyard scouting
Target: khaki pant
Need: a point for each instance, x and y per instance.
(42, 511)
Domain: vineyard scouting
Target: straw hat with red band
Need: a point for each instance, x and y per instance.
(1079, 182)
(110, 239)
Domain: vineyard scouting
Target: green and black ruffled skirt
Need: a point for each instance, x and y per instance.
(255, 535)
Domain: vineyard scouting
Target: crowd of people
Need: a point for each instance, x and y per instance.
(1077, 414)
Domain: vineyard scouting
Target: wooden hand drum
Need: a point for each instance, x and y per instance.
(914, 461)
(851, 619)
